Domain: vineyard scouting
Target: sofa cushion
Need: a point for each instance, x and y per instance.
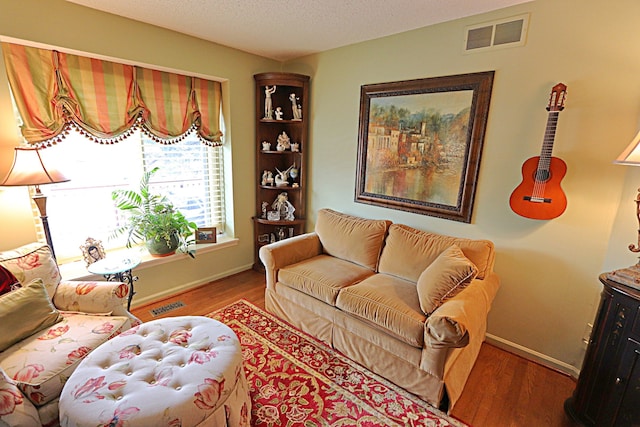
(322, 276)
(24, 312)
(41, 363)
(389, 303)
(351, 238)
(444, 277)
(33, 261)
(408, 251)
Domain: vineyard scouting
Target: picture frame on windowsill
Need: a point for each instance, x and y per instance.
(206, 235)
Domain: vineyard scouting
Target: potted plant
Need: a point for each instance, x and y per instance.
(152, 219)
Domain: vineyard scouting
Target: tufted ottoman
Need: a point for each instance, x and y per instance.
(178, 371)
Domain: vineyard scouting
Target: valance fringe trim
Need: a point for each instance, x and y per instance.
(110, 140)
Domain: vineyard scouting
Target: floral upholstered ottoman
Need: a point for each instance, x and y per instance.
(178, 371)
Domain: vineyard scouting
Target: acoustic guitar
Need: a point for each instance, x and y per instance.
(539, 195)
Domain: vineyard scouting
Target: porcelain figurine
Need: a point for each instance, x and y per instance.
(284, 207)
(266, 146)
(284, 142)
(293, 171)
(268, 105)
(267, 178)
(281, 177)
(278, 113)
(295, 107)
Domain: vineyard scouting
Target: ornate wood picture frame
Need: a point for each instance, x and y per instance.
(420, 143)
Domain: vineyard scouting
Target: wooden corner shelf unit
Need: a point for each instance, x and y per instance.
(282, 103)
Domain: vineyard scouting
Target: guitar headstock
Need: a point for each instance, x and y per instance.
(557, 97)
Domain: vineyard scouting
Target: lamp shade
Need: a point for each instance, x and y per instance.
(29, 169)
(631, 154)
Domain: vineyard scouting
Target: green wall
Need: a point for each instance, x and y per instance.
(549, 269)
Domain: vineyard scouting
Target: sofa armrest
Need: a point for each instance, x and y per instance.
(463, 316)
(276, 255)
(16, 410)
(93, 297)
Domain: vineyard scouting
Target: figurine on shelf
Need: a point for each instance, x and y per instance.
(268, 105)
(295, 147)
(265, 205)
(284, 207)
(284, 142)
(281, 177)
(266, 146)
(295, 107)
(267, 178)
(293, 171)
(279, 113)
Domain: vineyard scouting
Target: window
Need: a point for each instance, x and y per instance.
(56, 92)
(190, 174)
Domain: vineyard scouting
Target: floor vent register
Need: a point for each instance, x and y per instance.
(166, 308)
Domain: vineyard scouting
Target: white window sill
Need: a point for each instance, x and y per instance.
(78, 270)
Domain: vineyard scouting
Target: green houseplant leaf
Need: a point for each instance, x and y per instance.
(152, 218)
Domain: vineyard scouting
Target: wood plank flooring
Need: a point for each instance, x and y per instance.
(503, 389)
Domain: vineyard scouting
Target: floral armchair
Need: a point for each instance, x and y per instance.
(48, 326)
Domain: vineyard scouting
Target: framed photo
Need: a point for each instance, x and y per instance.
(206, 235)
(92, 251)
(420, 143)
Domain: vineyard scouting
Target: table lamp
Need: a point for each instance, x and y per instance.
(630, 276)
(29, 169)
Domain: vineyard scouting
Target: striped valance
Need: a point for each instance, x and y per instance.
(105, 100)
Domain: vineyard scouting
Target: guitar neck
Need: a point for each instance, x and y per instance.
(549, 137)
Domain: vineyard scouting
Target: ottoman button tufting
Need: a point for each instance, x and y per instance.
(210, 388)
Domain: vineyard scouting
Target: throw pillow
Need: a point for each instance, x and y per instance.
(24, 312)
(8, 281)
(447, 275)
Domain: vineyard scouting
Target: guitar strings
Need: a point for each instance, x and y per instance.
(543, 173)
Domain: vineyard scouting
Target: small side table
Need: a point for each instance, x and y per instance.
(117, 270)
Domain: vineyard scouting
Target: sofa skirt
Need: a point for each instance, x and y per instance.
(382, 354)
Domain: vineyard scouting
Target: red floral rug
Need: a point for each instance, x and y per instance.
(296, 380)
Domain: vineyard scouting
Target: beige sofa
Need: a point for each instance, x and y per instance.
(47, 326)
(407, 304)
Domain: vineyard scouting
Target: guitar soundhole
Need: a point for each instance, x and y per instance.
(542, 175)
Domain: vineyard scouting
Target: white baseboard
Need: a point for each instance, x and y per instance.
(533, 355)
(187, 286)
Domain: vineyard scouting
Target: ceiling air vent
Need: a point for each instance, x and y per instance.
(508, 32)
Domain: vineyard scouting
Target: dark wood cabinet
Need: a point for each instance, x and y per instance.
(608, 389)
(282, 104)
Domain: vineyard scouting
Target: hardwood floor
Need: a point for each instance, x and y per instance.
(503, 389)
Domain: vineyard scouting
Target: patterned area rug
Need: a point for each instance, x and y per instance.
(296, 380)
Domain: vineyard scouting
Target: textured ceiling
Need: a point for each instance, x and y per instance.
(286, 29)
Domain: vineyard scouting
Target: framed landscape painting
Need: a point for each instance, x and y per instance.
(420, 143)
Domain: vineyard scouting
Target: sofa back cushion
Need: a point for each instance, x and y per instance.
(351, 238)
(408, 251)
(33, 261)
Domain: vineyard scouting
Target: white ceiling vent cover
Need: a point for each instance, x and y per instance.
(508, 32)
